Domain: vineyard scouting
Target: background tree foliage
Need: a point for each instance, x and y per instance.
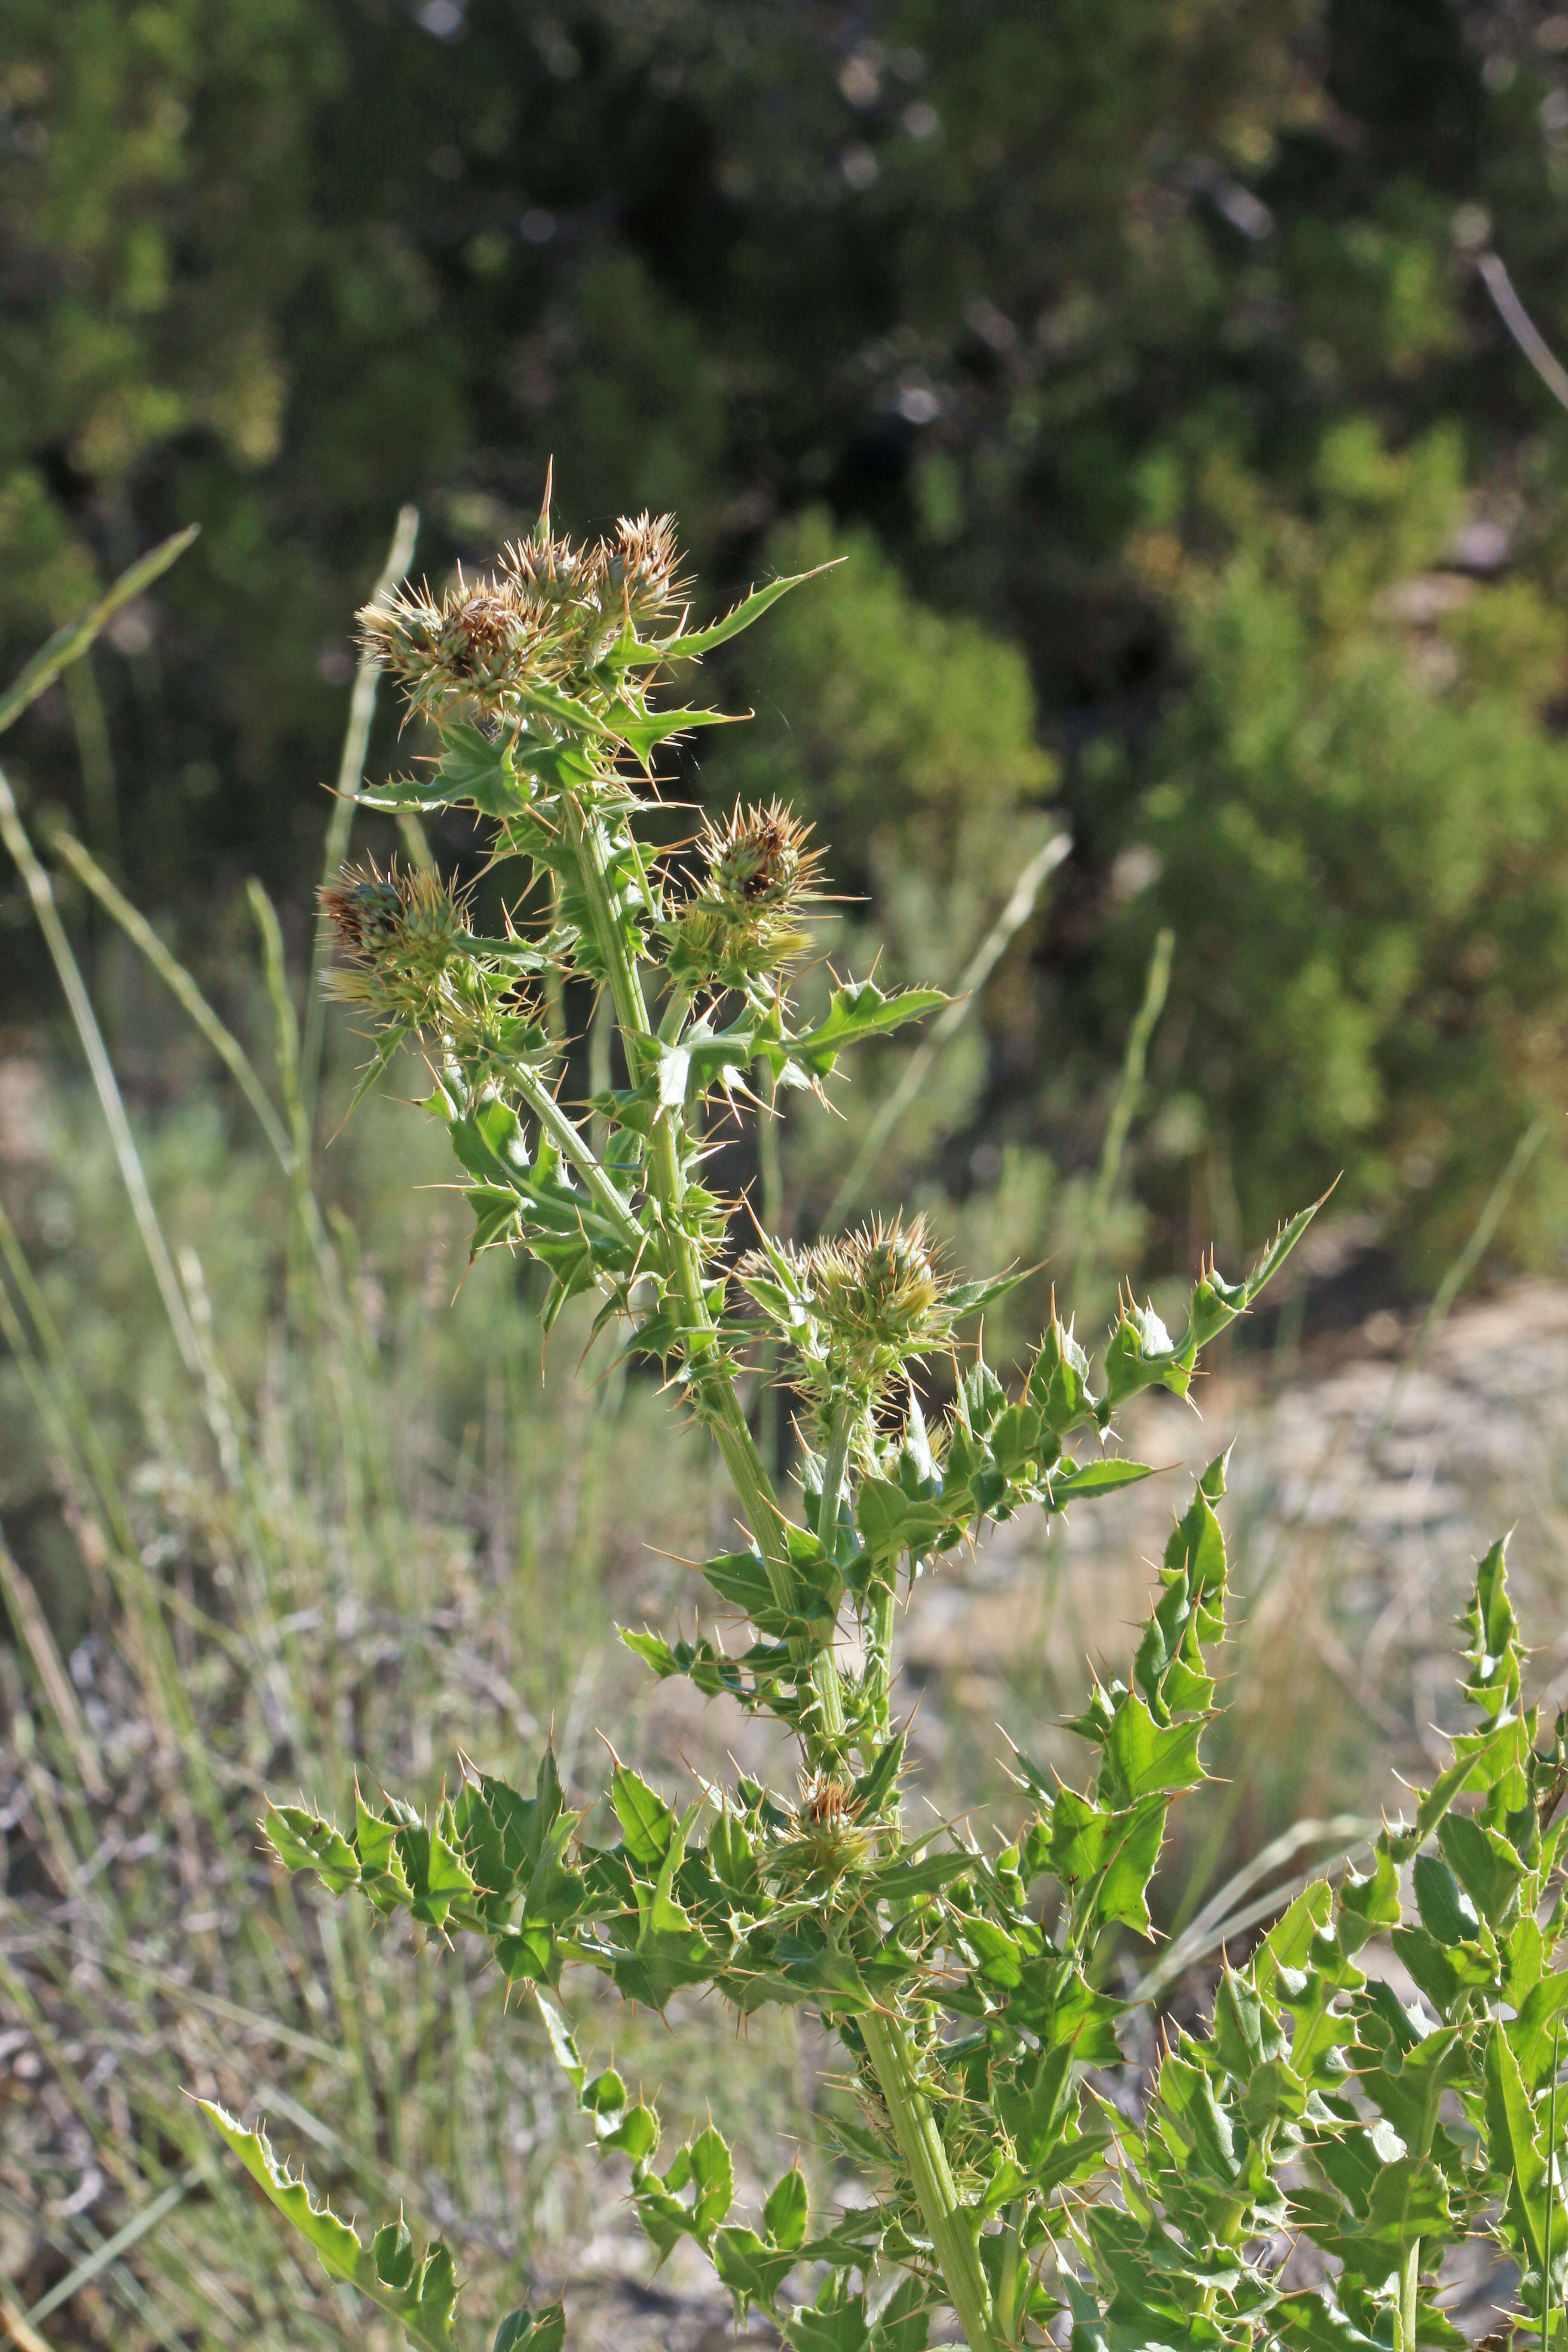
(1135, 356)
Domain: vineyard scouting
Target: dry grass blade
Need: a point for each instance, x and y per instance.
(22, 1608)
(974, 977)
(41, 893)
(351, 780)
(224, 1043)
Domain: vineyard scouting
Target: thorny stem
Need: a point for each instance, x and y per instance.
(891, 2053)
(887, 2038)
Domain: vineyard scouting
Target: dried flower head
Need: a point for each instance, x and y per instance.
(551, 573)
(481, 641)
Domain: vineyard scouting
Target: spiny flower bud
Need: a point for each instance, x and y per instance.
(742, 918)
(878, 1290)
(825, 1839)
(550, 573)
(638, 567)
(480, 642)
(874, 1299)
(401, 933)
(759, 859)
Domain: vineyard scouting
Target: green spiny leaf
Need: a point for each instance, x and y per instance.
(714, 2178)
(689, 644)
(753, 2271)
(786, 2212)
(424, 2304)
(646, 1822)
(1075, 1482)
(303, 1840)
(644, 730)
(1146, 1758)
(901, 1881)
(532, 2331)
(1516, 2155)
(856, 1011)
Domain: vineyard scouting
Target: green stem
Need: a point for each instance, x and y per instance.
(770, 1180)
(879, 1663)
(887, 2038)
(1409, 2287)
(825, 1677)
(837, 1455)
(585, 829)
(952, 2240)
(574, 1145)
(675, 1013)
(1010, 2286)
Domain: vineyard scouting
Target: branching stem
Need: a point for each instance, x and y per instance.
(575, 1146)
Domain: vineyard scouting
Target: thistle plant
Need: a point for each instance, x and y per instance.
(963, 1979)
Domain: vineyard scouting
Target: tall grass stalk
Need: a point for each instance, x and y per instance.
(917, 1069)
(351, 779)
(1124, 1107)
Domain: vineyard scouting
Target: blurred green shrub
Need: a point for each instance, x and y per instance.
(1077, 322)
(907, 737)
(1356, 818)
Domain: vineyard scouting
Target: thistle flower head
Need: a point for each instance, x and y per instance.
(872, 1300)
(758, 858)
(742, 918)
(365, 906)
(550, 573)
(826, 1837)
(400, 933)
(879, 1290)
(638, 568)
(481, 641)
